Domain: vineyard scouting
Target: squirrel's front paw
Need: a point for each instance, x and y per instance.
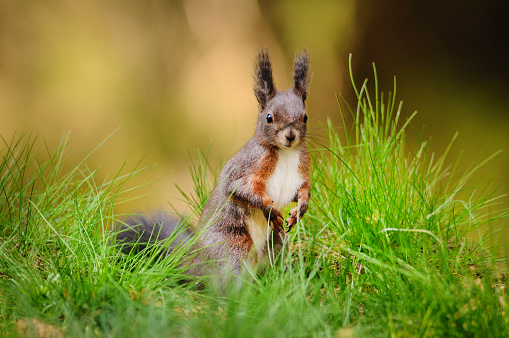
(278, 224)
(292, 220)
(275, 217)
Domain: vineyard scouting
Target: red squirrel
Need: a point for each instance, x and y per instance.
(242, 219)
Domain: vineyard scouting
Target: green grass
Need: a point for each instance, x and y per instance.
(396, 242)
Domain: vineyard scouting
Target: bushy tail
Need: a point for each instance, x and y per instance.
(138, 231)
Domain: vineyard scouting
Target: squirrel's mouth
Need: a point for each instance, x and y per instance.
(289, 144)
(289, 138)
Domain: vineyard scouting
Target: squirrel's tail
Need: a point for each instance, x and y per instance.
(138, 231)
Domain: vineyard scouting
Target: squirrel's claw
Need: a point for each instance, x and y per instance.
(278, 224)
(275, 217)
(290, 221)
(295, 214)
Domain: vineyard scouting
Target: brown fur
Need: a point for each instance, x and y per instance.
(242, 182)
(231, 216)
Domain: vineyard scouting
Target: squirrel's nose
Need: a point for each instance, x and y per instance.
(290, 135)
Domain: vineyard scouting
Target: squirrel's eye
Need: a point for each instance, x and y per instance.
(269, 118)
(305, 118)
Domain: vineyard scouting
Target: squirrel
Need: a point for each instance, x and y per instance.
(242, 221)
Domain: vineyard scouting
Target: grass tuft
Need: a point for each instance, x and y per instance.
(397, 241)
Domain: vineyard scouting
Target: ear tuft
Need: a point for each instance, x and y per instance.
(301, 76)
(264, 88)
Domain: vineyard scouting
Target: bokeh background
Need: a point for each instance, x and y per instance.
(176, 75)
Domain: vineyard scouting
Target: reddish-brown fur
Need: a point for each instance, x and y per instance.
(274, 161)
(242, 183)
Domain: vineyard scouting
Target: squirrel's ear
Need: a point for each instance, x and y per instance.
(264, 85)
(301, 75)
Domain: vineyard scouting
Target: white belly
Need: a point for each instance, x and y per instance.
(258, 227)
(284, 182)
(281, 187)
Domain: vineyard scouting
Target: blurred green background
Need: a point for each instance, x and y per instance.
(177, 74)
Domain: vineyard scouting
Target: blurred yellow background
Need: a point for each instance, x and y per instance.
(178, 74)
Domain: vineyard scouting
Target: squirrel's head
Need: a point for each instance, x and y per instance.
(282, 119)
